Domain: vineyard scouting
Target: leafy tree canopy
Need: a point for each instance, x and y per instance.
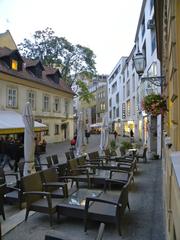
(72, 60)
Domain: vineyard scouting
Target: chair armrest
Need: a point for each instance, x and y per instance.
(124, 159)
(81, 170)
(94, 199)
(47, 196)
(38, 193)
(59, 185)
(117, 171)
(116, 181)
(13, 188)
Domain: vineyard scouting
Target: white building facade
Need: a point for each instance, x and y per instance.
(115, 97)
(126, 89)
(145, 42)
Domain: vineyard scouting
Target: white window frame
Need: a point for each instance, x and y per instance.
(46, 103)
(31, 98)
(56, 129)
(12, 96)
(57, 104)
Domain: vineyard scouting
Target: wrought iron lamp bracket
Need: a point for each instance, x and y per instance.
(157, 81)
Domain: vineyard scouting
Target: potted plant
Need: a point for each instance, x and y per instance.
(113, 147)
(125, 145)
(154, 104)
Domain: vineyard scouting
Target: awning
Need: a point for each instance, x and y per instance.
(96, 125)
(12, 122)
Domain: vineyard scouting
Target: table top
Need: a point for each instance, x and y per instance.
(78, 198)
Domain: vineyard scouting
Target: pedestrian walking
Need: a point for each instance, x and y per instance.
(37, 151)
(115, 135)
(131, 135)
(87, 131)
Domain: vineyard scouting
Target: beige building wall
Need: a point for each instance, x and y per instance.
(50, 118)
(168, 36)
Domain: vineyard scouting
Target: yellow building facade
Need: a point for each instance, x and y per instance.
(52, 102)
(167, 16)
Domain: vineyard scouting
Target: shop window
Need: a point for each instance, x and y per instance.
(128, 108)
(46, 133)
(56, 129)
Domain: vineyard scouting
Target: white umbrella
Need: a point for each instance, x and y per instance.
(29, 143)
(80, 135)
(104, 134)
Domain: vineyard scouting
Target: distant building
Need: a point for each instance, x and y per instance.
(116, 97)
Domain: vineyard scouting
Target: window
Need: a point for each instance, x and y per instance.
(128, 108)
(128, 88)
(66, 108)
(102, 106)
(14, 64)
(46, 133)
(110, 114)
(153, 41)
(12, 97)
(143, 27)
(46, 104)
(110, 102)
(31, 99)
(117, 98)
(151, 4)
(56, 129)
(114, 87)
(117, 112)
(57, 104)
(123, 111)
(152, 71)
(114, 112)
(133, 82)
(133, 106)
(144, 52)
(123, 92)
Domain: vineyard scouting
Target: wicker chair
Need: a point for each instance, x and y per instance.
(36, 199)
(52, 184)
(2, 191)
(107, 207)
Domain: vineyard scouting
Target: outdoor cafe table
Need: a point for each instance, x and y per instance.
(74, 205)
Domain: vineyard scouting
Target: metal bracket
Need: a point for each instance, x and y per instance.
(157, 81)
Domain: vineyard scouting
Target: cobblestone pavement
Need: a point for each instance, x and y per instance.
(143, 222)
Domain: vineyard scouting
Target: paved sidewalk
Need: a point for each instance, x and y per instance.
(143, 222)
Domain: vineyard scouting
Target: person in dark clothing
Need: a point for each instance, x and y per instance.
(131, 136)
(115, 134)
(131, 133)
(37, 151)
(6, 150)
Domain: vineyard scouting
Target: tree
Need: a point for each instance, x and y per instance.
(72, 60)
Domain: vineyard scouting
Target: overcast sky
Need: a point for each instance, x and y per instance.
(105, 26)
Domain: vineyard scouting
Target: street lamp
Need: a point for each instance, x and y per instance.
(140, 64)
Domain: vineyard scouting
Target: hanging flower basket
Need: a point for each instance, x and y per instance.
(154, 104)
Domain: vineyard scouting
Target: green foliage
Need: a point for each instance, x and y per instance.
(83, 92)
(126, 145)
(72, 60)
(154, 104)
(113, 146)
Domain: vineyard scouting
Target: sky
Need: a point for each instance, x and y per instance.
(107, 27)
